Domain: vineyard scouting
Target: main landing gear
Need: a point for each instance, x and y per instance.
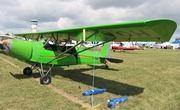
(45, 77)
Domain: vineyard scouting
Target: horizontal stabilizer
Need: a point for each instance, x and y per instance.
(114, 60)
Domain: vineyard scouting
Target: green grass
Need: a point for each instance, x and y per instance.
(150, 78)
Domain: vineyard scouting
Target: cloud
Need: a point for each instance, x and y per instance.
(17, 14)
(97, 4)
(65, 23)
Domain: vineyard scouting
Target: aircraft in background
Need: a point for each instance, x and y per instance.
(122, 46)
(167, 45)
(91, 44)
(56, 53)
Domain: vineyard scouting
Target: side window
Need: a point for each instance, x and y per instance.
(64, 48)
(52, 47)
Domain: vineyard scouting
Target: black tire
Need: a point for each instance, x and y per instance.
(27, 71)
(46, 79)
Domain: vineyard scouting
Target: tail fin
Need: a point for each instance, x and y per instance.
(105, 52)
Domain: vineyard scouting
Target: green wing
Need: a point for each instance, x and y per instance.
(144, 30)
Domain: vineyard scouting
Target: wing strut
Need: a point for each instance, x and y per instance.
(81, 41)
(85, 48)
(65, 51)
(84, 35)
(48, 40)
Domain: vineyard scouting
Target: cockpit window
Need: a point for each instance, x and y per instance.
(54, 47)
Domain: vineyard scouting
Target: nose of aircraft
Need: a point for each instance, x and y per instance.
(8, 46)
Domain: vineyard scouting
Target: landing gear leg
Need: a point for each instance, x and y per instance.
(45, 77)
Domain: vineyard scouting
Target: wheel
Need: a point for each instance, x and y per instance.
(27, 71)
(46, 79)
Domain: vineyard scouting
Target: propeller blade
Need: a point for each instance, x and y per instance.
(6, 45)
(6, 42)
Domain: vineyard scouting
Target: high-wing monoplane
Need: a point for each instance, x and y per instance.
(53, 47)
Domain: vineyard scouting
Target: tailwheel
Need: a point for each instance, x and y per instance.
(46, 79)
(107, 67)
(27, 71)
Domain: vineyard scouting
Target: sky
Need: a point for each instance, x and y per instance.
(16, 15)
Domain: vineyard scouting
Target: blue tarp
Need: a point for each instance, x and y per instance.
(176, 42)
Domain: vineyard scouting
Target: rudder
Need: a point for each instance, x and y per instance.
(105, 52)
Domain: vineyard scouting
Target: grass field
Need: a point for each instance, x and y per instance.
(150, 78)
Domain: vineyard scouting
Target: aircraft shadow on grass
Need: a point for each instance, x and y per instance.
(77, 75)
(128, 52)
(102, 67)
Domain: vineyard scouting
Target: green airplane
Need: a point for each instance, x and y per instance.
(54, 47)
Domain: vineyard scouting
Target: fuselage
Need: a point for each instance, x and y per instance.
(37, 52)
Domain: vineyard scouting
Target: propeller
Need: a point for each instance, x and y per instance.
(7, 46)
(3, 37)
